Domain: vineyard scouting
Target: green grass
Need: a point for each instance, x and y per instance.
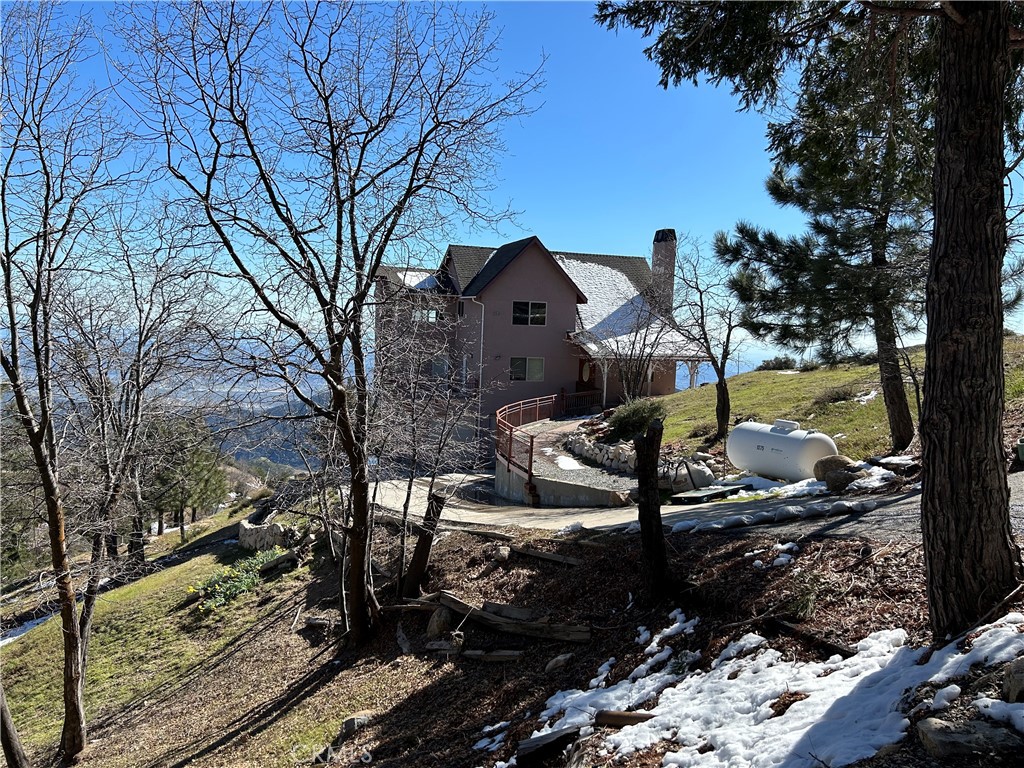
(820, 399)
(817, 399)
(145, 636)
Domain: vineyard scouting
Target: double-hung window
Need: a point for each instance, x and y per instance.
(529, 313)
(526, 369)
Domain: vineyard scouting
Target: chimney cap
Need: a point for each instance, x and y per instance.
(665, 236)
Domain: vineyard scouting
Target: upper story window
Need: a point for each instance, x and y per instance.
(529, 313)
(462, 309)
(425, 316)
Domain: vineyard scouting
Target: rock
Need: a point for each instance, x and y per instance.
(705, 457)
(502, 554)
(829, 463)
(442, 621)
(944, 740)
(1013, 683)
(837, 480)
(557, 663)
(353, 723)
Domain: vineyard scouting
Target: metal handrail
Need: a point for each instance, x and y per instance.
(508, 437)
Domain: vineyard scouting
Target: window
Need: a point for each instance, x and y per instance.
(529, 313)
(462, 309)
(526, 369)
(439, 368)
(425, 316)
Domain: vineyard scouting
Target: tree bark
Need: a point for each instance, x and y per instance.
(14, 753)
(723, 406)
(897, 407)
(652, 535)
(971, 560)
(421, 555)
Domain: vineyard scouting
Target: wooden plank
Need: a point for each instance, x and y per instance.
(510, 611)
(568, 632)
(556, 558)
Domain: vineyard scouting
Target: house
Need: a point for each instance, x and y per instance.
(521, 321)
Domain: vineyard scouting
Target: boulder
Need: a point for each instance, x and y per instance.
(442, 621)
(944, 740)
(557, 663)
(1013, 682)
(829, 463)
(837, 480)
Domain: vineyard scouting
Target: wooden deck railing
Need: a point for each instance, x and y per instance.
(515, 445)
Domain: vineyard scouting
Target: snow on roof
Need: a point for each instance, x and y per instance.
(419, 279)
(616, 318)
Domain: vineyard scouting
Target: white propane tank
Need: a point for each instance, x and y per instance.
(781, 450)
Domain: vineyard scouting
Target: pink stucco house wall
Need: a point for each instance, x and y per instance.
(520, 321)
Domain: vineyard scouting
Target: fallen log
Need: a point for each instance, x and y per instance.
(813, 638)
(546, 555)
(614, 718)
(568, 632)
(510, 611)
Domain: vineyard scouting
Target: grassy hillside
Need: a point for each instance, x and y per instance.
(823, 400)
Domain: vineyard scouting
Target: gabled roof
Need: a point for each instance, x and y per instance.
(468, 260)
(505, 255)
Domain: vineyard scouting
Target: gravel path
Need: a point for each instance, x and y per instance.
(547, 448)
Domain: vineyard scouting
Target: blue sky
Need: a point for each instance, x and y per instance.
(610, 156)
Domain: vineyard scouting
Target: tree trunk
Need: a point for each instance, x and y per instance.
(723, 407)
(652, 535)
(421, 555)
(13, 751)
(113, 544)
(897, 408)
(971, 560)
(360, 624)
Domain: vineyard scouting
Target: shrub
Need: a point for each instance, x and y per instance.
(837, 394)
(806, 366)
(633, 418)
(703, 429)
(231, 581)
(780, 363)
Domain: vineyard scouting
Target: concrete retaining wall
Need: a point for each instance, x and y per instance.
(511, 485)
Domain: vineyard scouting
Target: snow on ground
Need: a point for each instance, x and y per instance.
(867, 398)
(567, 462)
(723, 716)
(570, 528)
(21, 629)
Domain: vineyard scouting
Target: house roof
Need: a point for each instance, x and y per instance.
(409, 277)
(468, 260)
(617, 316)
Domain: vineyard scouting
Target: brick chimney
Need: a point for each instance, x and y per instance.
(663, 268)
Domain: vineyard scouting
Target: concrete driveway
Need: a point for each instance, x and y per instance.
(894, 516)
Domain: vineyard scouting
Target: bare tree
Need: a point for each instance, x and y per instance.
(125, 341)
(14, 753)
(313, 139)
(710, 315)
(59, 148)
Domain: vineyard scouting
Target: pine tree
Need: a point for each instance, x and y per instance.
(755, 47)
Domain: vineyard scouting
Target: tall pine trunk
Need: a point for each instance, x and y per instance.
(972, 562)
(897, 407)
